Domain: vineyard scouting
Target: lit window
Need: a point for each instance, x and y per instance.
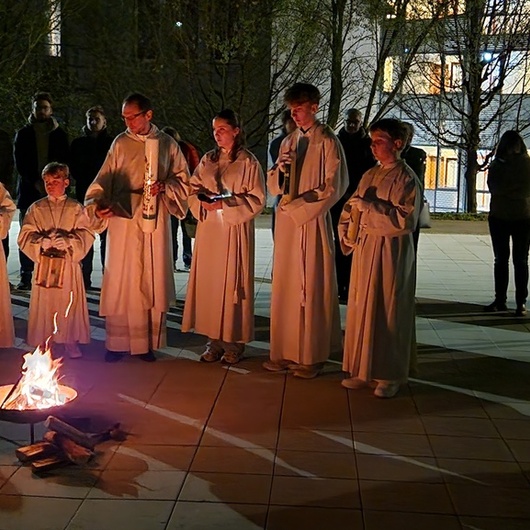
(54, 33)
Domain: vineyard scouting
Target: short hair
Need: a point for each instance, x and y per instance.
(143, 102)
(511, 143)
(38, 96)
(302, 93)
(96, 109)
(348, 112)
(393, 127)
(172, 132)
(56, 168)
(286, 116)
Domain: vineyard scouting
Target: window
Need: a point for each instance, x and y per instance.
(447, 166)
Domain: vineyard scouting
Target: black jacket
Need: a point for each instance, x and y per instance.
(30, 187)
(87, 154)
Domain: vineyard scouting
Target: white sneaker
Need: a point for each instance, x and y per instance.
(386, 389)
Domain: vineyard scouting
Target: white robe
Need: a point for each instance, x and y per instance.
(7, 330)
(305, 318)
(381, 306)
(41, 218)
(138, 270)
(220, 295)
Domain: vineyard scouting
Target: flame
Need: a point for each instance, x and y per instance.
(38, 386)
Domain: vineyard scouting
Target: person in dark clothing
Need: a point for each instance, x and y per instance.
(416, 159)
(509, 218)
(288, 126)
(87, 154)
(40, 141)
(359, 159)
(192, 156)
(7, 164)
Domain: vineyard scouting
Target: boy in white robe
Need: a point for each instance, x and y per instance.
(7, 331)
(57, 224)
(380, 320)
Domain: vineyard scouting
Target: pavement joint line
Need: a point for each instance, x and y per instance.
(255, 449)
(376, 451)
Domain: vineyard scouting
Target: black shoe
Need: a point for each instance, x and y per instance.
(520, 311)
(24, 286)
(113, 356)
(148, 357)
(495, 307)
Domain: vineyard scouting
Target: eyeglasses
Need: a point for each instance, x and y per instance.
(133, 116)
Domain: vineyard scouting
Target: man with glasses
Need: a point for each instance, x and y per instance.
(359, 159)
(138, 285)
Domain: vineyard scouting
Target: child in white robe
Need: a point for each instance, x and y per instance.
(57, 225)
(7, 331)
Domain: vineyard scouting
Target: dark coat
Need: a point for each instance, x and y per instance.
(29, 186)
(87, 154)
(416, 159)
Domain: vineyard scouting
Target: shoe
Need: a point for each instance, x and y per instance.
(354, 383)
(277, 366)
(73, 351)
(210, 356)
(520, 311)
(24, 286)
(113, 356)
(231, 357)
(148, 357)
(187, 267)
(496, 307)
(386, 389)
(307, 371)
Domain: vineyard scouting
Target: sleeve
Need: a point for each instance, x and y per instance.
(177, 183)
(315, 202)
(7, 211)
(394, 216)
(81, 237)
(346, 243)
(196, 186)
(493, 180)
(248, 203)
(31, 235)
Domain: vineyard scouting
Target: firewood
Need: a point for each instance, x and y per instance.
(80, 438)
(114, 433)
(35, 451)
(47, 464)
(76, 453)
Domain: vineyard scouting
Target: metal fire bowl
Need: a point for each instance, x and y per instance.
(33, 415)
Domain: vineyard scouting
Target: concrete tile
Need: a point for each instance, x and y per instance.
(226, 488)
(315, 441)
(471, 427)
(397, 468)
(493, 523)
(110, 513)
(233, 460)
(520, 449)
(491, 502)
(311, 518)
(218, 516)
(513, 429)
(405, 497)
(394, 443)
(315, 464)
(152, 458)
(19, 512)
(72, 482)
(321, 492)
(468, 447)
(410, 521)
(137, 484)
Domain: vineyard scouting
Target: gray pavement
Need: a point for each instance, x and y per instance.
(239, 448)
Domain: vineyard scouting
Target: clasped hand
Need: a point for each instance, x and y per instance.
(56, 240)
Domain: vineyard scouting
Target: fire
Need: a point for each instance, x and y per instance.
(38, 386)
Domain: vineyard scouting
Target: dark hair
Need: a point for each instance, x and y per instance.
(301, 93)
(143, 102)
(233, 120)
(511, 143)
(394, 128)
(55, 168)
(349, 112)
(96, 109)
(46, 96)
(171, 131)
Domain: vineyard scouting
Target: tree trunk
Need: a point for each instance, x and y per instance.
(470, 175)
